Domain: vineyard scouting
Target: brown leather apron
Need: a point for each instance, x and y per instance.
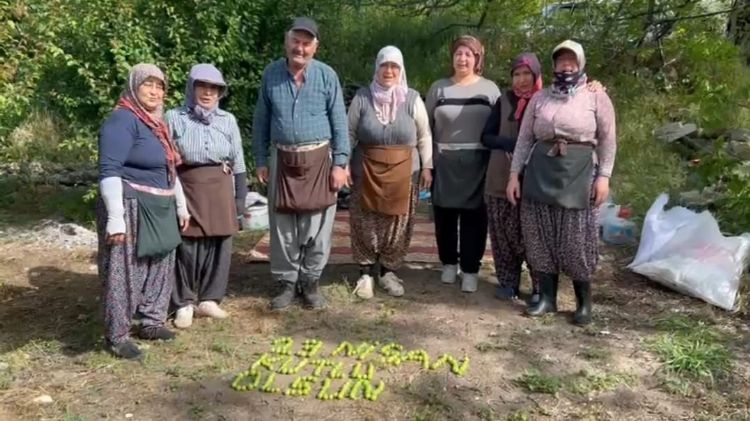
(303, 181)
(386, 178)
(210, 199)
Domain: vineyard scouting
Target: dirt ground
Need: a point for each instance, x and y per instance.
(520, 368)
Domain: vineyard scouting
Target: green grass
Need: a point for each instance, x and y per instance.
(537, 382)
(519, 416)
(23, 205)
(595, 353)
(693, 349)
(636, 150)
(586, 382)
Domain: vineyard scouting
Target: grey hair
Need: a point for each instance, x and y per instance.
(289, 34)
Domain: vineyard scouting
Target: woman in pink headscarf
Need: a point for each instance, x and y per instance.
(500, 134)
(391, 161)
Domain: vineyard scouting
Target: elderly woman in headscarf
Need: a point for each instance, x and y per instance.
(392, 160)
(566, 150)
(213, 177)
(458, 108)
(500, 135)
(140, 203)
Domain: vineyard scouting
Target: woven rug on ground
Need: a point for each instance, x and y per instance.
(423, 248)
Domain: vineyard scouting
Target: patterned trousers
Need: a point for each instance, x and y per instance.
(131, 286)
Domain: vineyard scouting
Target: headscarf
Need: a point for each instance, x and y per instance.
(566, 83)
(154, 120)
(532, 62)
(387, 100)
(203, 73)
(476, 47)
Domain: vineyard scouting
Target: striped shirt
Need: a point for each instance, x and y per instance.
(201, 144)
(289, 116)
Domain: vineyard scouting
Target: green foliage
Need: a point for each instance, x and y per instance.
(70, 58)
(693, 349)
(537, 382)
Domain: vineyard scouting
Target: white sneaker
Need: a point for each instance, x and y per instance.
(392, 284)
(211, 309)
(363, 289)
(469, 282)
(184, 317)
(449, 274)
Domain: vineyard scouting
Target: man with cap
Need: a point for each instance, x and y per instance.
(301, 148)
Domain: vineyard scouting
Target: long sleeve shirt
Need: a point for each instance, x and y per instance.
(458, 112)
(212, 143)
(586, 117)
(491, 137)
(130, 150)
(287, 115)
(414, 129)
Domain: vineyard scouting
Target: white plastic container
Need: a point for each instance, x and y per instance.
(255, 218)
(618, 229)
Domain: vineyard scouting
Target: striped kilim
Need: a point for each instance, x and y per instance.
(423, 248)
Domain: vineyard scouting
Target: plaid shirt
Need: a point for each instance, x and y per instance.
(290, 116)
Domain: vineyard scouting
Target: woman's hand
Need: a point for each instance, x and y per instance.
(595, 86)
(118, 238)
(601, 190)
(184, 222)
(425, 179)
(513, 191)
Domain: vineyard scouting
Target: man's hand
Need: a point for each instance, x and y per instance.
(339, 178)
(262, 173)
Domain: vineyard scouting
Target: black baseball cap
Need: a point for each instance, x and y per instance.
(305, 24)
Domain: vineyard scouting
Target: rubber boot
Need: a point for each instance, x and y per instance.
(313, 298)
(582, 315)
(548, 295)
(286, 298)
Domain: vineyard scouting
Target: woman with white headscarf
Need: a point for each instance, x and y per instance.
(391, 162)
(566, 150)
(213, 177)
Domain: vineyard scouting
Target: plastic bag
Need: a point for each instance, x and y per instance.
(255, 216)
(685, 251)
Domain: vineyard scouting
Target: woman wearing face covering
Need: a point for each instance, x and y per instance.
(500, 134)
(458, 108)
(392, 159)
(567, 140)
(213, 177)
(137, 215)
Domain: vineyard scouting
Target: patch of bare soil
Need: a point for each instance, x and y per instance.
(520, 369)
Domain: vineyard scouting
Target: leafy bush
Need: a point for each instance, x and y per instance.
(70, 58)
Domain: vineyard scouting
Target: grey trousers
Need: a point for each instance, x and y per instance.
(202, 270)
(300, 242)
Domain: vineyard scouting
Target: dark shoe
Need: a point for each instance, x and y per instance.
(505, 293)
(313, 298)
(548, 295)
(154, 333)
(127, 350)
(286, 298)
(582, 315)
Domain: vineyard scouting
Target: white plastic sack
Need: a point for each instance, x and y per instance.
(685, 251)
(255, 216)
